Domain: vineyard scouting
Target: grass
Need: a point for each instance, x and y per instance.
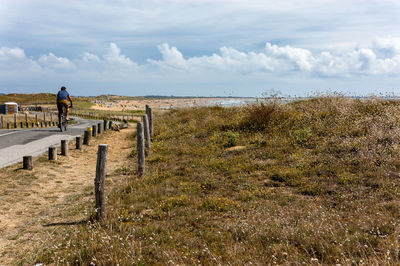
(314, 181)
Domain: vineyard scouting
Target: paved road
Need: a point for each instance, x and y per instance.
(14, 144)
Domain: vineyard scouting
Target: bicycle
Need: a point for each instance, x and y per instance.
(64, 121)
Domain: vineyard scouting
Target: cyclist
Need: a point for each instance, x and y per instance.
(62, 97)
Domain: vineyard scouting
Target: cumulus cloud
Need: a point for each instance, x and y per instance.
(380, 58)
(288, 59)
(114, 56)
(51, 61)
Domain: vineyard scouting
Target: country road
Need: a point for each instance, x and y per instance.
(14, 144)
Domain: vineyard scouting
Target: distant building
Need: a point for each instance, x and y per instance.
(9, 108)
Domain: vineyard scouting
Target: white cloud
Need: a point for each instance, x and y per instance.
(114, 56)
(51, 61)
(230, 65)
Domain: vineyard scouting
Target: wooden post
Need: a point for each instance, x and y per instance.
(27, 163)
(105, 123)
(140, 148)
(149, 113)
(78, 144)
(41, 124)
(99, 128)
(99, 181)
(145, 122)
(2, 122)
(64, 147)
(36, 119)
(15, 120)
(44, 118)
(94, 130)
(26, 118)
(109, 124)
(51, 118)
(22, 124)
(8, 125)
(52, 153)
(86, 137)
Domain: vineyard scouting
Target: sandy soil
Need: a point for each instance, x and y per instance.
(35, 203)
(123, 105)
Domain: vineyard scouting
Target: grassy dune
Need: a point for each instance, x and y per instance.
(313, 181)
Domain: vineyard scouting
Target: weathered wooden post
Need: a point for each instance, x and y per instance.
(2, 122)
(44, 118)
(51, 118)
(94, 130)
(36, 119)
(149, 113)
(22, 124)
(78, 144)
(86, 137)
(145, 122)
(99, 128)
(41, 124)
(15, 120)
(99, 181)
(140, 148)
(8, 125)
(26, 118)
(52, 153)
(109, 124)
(64, 147)
(27, 163)
(105, 123)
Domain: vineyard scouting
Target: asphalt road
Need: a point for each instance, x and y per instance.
(14, 144)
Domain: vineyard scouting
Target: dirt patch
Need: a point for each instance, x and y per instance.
(35, 203)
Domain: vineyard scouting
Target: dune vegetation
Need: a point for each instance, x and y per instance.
(313, 181)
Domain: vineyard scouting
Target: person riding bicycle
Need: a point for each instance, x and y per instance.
(62, 97)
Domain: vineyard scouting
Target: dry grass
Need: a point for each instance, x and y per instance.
(317, 181)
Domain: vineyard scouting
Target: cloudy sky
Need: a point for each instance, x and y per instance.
(200, 47)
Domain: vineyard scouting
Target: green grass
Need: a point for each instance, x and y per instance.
(317, 182)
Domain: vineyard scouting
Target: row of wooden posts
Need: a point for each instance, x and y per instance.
(145, 130)
(45, 122)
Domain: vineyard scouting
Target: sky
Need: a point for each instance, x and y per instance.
(200, 47)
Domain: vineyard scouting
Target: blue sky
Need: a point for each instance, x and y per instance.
(200, 47)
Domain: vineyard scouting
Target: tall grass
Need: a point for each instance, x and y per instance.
(313, 181)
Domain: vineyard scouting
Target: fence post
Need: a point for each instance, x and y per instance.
(86, 137)
(109, 124)
(145, 122)
(26, 118)
(99, 181)
(105, 123)
(52, 153)
(149, 113)
(15, 120)
(140, 148)
(36, 119)
(64, 147)
(78, 144)
(22, 124)
(99, 128)
(44, 118)
(94, 130)
(27, 163)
